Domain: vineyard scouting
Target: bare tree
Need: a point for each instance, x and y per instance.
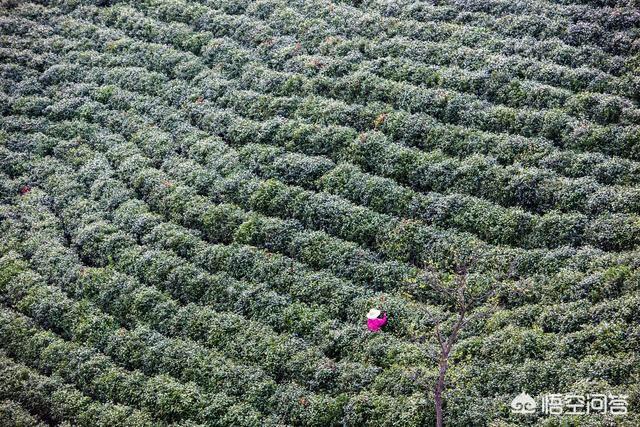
(465, 301)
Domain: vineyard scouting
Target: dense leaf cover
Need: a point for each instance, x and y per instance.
(200, 200)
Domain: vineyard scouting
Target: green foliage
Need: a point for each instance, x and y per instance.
(201, 200)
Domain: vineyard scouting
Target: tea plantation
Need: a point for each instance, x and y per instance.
(201, 200)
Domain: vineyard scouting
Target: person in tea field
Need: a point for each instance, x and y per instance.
(374, 321)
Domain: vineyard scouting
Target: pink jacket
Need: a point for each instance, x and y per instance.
(374, 325)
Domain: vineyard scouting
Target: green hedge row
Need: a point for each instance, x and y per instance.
(570, 78)
(371, 24)
(512, 344)
(96, 374)
(599, 201)
(533, 189)
(187, 283)
(588, 34)
(50, 398)
(591, 135)
(603, 108)
(497, 382)
(103, 243)
(454, 140)
(461, 108)
(382, 96)
(382, 401)
(386, 280)
(607, 18)
(128, 294)
(599, 231)
(95, 255)
(600, 108)
(383, 195)
(14, 414)
(607, 200)
(516, 386)
(131, 304)
(160, 394)
(314, 25)
(159, 193)
(139, 347)
(446, 54)
(268, 162)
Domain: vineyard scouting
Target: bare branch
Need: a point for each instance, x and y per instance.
(464, 304)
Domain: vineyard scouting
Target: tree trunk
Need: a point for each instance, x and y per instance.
(444, 362)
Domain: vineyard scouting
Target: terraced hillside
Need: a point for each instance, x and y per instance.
(201, 200)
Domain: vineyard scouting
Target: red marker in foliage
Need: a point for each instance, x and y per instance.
(24, 190)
